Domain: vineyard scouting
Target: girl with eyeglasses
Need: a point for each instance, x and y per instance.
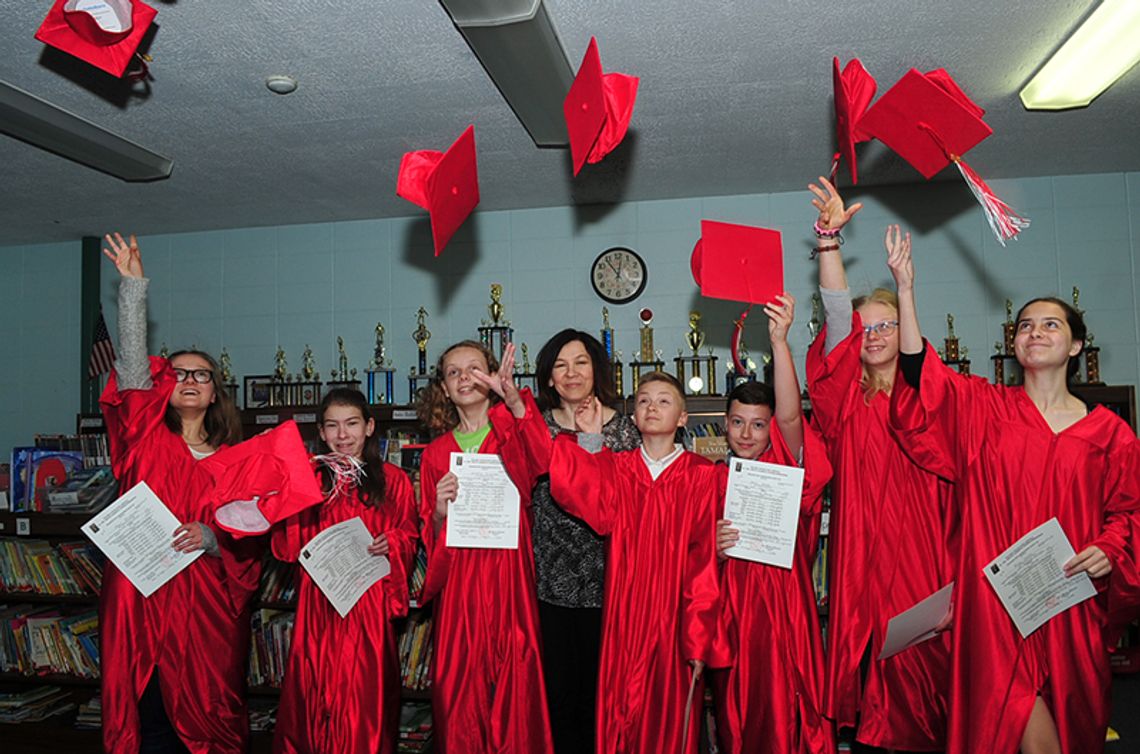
(1020, 456)
(488, 693)
(893, 528)
(173, 664)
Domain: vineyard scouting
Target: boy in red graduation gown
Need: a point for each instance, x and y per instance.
(1020, 456)
(488, 693)
(657, 508)
(769, 701)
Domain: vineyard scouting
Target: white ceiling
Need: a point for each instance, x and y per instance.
(735, 98)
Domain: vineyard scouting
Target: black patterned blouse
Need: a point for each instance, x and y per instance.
(569, 558)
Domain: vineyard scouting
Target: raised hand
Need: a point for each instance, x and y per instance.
(899, 259)
(502, 382)
(588, 416)
(833, 214)
(125, 255)
(781, 313)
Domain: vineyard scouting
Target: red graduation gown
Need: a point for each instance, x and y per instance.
(770, 700)
(1014, 473)
(892, 543)
(488, 693)
(194, 631)
(342, 687)
(661, 594)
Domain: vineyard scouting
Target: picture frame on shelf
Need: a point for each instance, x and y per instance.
(257, 391)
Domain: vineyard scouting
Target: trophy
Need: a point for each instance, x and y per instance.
(950, 342)
(419, 377)
(743, 368)
(695, 384)
(308, 381)
(229, 383)
(814, 325)
(342, 376)
(164, 352)
(645, 360)
(999, 363)
(497, 333)
(1092, 361)
(277, 392)
(524, 375)
(380, 369)
(1008, 328)
(607, 334)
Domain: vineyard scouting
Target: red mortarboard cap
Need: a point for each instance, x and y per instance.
(854, 90)
(446, 184)
(738, 262)
(104, 34)
(262, 481)
(597, 109)
(927, 119)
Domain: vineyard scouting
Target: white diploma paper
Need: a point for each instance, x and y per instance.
(915, 625)
(1030, 581)
(338, 562)
(763, 504)
(485, 513)
(136, 533)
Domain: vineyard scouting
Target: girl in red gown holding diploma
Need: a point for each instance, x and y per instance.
(769, 701)
(488, 693)
(657, 508)
(1021, 456)
(342, 686)
(173, 664)
(893, 526)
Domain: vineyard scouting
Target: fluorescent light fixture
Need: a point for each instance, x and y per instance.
(44, 125)
(1099, 52)
(516, 42)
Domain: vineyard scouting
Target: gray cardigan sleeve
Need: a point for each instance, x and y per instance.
(837, 314)
(132, 365)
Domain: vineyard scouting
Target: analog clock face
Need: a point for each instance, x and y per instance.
(618, 275)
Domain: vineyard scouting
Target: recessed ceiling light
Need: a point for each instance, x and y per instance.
(281, 84)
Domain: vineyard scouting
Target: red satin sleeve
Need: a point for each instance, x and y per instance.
(700, 582)
(830, 376)
(401, 538)
(131, 415)
(1120, 538)
(582, 483)
(524, 443)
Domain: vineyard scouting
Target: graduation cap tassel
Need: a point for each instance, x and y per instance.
(346, 471)
(1004, 220)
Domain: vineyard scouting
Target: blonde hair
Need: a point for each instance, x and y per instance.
(434, 408)
(871, 383)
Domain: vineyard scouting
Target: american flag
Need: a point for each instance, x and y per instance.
(102, 351)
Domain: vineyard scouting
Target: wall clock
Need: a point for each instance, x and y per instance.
(618, 275)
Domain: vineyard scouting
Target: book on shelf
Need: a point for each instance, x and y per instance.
(35, 566)
(35, 471)
(415, 727)
(278, 581)
(38, 640)
(34, 704)
(87, 490)
(90, 715)
(415, 652)
(271, 635)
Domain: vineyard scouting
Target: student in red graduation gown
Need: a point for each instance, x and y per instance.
(769, 701)
(893, 526)
(342, 686)
(657, 508)
(488, 693)
(173, 664)
(1020, 456)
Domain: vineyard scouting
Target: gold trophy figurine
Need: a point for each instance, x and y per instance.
(308, 365)
(1008, 328)
(646, 352)
(280, 366)
(378, 352)
(695, 337)
(525, 359)
(342, 359)
(421, 335)
(951, 343)
(496, 305)
(226, 367)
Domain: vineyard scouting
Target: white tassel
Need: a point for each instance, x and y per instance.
(347, 471)
(1004, 221)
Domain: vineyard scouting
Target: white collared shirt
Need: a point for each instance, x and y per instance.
(656, 468)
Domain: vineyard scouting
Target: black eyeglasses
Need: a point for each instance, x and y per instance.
(201, 376)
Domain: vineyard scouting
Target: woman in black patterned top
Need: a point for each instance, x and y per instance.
(569, 557)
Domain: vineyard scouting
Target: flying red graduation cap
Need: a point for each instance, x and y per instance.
(854, 89)
(104, 34)
(738, 262)
(446, 184)
(930, 122)
(597, 108)
(261, 481)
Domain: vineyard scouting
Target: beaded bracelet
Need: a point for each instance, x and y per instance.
(817, 250)
(825, 232)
